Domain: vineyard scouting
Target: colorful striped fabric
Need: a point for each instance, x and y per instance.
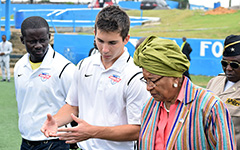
(202, 122)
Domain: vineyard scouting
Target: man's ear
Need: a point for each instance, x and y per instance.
(22, 39)
(126, 39)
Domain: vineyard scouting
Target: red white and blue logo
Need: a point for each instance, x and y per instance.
(44, 76)
(114, 79)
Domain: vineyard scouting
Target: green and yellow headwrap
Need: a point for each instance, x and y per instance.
(161, 57)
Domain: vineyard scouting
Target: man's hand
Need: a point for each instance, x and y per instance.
(50, 126)
(2, 53)
(75, 134)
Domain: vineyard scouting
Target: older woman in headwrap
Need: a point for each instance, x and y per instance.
(179, 115)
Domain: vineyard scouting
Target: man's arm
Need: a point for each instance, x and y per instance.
(86, 131)
(63, 117)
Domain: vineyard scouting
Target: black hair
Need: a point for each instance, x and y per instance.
(34, 22)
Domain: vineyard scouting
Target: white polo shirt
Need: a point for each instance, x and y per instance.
(108, 97)
(41, 91)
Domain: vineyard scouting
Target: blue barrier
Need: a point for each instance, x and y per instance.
(73, 47)
(16, 7)
(19, 17)
(82, 17)
(77, 14)
(129, 5)
(172, 4)
(216, 5)
(194, 7)
(205, 57)
(136, 5)
(12, 22)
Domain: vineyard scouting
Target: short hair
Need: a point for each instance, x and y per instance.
(113, 19)
(34, 22)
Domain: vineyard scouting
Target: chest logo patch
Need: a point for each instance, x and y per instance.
(44, 76)
(233, 102)
(114, 79)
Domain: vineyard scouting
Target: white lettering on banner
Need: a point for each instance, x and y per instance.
(216, 47)
(220, 47)
(203, 46)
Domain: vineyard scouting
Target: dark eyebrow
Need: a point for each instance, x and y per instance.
(113, 41)
(99, 39)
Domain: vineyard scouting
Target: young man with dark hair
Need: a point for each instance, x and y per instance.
(42, 79)
(107, 94)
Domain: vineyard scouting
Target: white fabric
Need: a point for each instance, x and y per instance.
(5, 47)
(41, 91)
(228, 85)
(105, 99)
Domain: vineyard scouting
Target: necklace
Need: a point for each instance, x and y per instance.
(165, 108)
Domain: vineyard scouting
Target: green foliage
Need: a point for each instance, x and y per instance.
(177, 23)
(70, 3)
(45, 1)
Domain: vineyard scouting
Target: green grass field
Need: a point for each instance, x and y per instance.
(177, 23)
(10, 137)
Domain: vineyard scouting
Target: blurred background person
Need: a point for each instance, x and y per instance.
(186, 49)
(5, 50)
(180, 115)
(227, 85)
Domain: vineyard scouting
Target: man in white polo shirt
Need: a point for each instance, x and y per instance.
(106, 95)
(42, 79)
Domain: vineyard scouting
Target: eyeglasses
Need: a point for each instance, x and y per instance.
(152, 82)
(233, 64)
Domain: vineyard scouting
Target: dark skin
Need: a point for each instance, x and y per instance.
(232, 74)
(184, 39)
(163, 89)
(4, 40)
(36, 43)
